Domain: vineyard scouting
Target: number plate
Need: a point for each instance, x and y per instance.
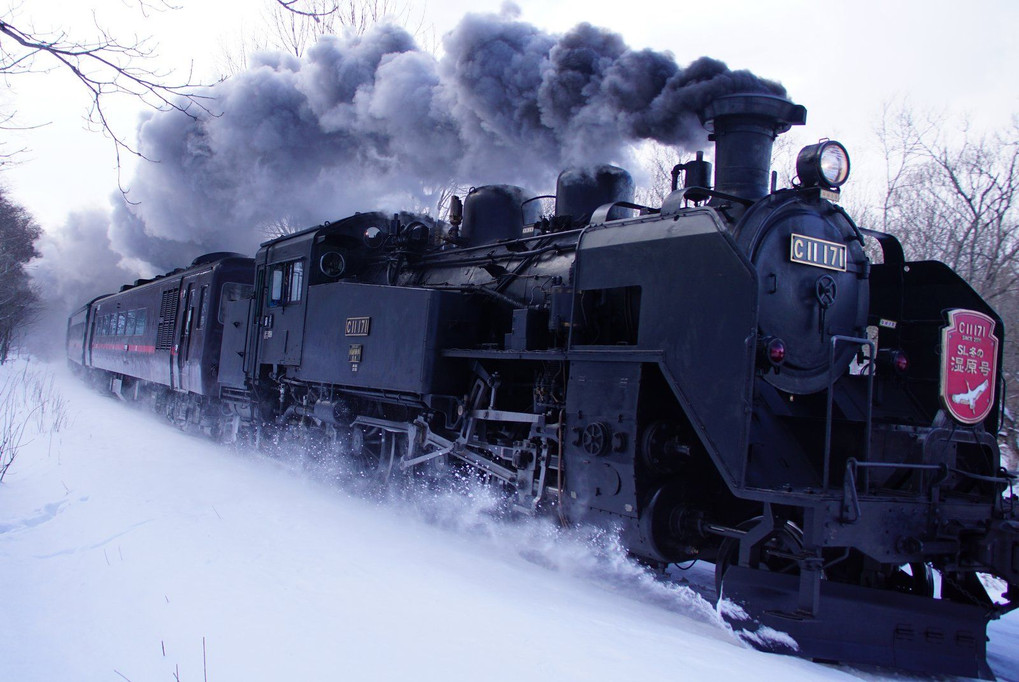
(357, 326)
(817, 252)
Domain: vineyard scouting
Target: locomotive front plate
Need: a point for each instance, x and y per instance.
(969, 365)
(817, 252)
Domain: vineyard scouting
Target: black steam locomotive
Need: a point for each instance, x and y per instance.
(741, 375)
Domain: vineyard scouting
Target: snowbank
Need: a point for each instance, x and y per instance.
(133, 551)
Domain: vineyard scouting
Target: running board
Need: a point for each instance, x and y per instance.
(858, 625)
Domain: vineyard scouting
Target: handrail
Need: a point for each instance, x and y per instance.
(835, 341)
(850, 495)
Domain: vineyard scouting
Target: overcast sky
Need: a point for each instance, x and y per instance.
(842, 60)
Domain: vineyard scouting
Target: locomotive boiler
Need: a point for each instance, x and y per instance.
(741, 375)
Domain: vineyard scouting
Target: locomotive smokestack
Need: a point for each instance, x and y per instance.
(743, 128)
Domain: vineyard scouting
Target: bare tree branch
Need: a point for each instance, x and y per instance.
(315, 11)
(104, 67)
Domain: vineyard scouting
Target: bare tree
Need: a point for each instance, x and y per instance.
(901, 133)
(658, 161)
(30, 405)
(295, 26)
(18, 300)
(104, 67)
(292, 26)
(442, 195)
(281, 227)
(954, 200)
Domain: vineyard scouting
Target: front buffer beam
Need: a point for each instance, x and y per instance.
(857, 625)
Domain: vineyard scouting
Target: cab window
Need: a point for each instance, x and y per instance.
(286, 282)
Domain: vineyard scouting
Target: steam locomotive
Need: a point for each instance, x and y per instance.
(741, 375)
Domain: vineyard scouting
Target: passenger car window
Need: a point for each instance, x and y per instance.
(201, 306)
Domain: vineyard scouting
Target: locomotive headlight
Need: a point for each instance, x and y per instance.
(825, 164)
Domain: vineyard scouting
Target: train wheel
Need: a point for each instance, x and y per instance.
(773, 553)
(377, 453)
(366, 448)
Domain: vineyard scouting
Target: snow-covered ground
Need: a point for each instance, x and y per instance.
(129, 550)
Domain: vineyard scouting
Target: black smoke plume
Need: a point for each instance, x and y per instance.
(374, 122)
